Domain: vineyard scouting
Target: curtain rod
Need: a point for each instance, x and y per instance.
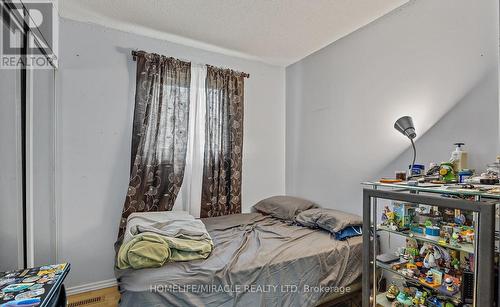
(136, 53)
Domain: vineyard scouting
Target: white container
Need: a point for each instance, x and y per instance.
(459, 157)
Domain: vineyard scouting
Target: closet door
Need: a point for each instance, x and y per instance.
(27, 148)
(11, 179)
(43, 167)
(42, 128)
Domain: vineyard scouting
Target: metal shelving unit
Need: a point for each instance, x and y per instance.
(464, 247)
(483, 212)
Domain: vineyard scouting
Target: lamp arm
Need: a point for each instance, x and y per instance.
(414, 155)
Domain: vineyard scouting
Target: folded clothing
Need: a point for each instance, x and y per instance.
(341, 224)
(348, 232)
(155, 238)
(166, 223)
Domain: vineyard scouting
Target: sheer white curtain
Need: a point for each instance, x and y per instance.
(189, 197)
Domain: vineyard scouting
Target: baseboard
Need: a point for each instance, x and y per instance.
(91, 286)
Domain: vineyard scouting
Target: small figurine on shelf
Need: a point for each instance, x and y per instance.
(454, 262)
(392, 292)
(429, 277)
(404, 297)
(460, 219)
(448, 282)
(447, 173)
(448, 215)
(428, 223)
(412, 248)
(430, 254)
(468, 263)
(389, 218)
(429, 261)
(449, 287)
(384, 215)
(434, 301)
(455, 239)
(467, 234)
(419, 298)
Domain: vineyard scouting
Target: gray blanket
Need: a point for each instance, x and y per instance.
(166, 223)
(257, 261)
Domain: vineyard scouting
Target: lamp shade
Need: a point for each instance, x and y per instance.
(406, 127)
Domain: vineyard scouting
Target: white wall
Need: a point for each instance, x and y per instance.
(474, 121)
(96, 85)
(419, 60)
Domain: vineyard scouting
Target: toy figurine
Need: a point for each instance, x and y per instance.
(389, 218)
(429, 277)
(419, 298)
(460, 219)
(467, 264)
(391, 293)
(429, 261)
(467, 234)
(447, 173)
(412, 249)
(434, 301)
(454, 239)
(454, 262)
(431, 254)
(384, 215)
(448, 282)
(404, 297)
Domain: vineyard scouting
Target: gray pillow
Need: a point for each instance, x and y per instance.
(284, 207)
(329, 219)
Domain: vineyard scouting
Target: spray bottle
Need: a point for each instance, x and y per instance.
(459, 157)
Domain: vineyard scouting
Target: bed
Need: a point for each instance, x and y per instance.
(258, 260)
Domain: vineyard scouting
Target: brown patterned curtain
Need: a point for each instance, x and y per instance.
(221, 189)
(159, 137)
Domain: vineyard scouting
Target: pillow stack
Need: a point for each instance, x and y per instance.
(341, 224)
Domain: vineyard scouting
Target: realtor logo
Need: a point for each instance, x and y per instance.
(37, 17)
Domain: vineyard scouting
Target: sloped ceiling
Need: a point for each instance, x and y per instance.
(273, 31)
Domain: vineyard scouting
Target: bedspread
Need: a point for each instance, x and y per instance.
(257, 261)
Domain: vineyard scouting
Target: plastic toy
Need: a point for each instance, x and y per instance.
(404, 297)
(429, 277)
(449, 284)
(392, 292)
(447, 173)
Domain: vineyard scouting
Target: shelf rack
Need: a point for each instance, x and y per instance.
(388, 268)
(464, 247)
(483, 219)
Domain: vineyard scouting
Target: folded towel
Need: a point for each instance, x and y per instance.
(151, 250)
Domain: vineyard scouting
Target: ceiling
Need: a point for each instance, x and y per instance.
(278, 32)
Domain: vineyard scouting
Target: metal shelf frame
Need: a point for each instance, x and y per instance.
(484, 223)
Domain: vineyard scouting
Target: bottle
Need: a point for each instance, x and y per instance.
(459, 157)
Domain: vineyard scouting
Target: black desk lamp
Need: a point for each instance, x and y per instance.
(406, 127)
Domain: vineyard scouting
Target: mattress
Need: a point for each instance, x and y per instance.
(257, 261)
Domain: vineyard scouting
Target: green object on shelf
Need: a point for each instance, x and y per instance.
(404, 299)
(447, 172)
